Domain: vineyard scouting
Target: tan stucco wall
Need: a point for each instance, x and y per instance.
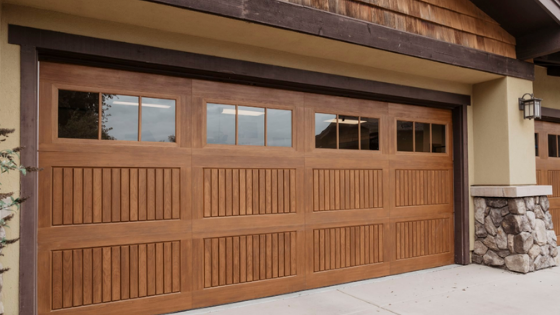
(89, 26)
(9, 118)
(503, 139)
(547, 87)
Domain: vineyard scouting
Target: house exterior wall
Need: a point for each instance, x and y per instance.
(504, 91)
(10, 117)
(503, 139)
(547, 87)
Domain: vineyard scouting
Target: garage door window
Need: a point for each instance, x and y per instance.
(552, 145)
(120, 117)
(247, 125)
(346, 132)
(420, 137)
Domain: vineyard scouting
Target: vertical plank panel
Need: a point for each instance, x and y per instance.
(222, 261)
(250, 267)
(107, 277)
(125, 272)
(293, 254)
(268, 256)
(57, 197)
(207, 263)
(116, 273)
(151, 194)
(292, 191)
(287, 190)
(268, 191)
(167, 194)
(262, 191)
(159, 268)
(215, 262)
(159, 194)
(142, 270)
(88, 195)
(207, 177)
(236, 250)
(125, 195)
(97, 278)
(115, 195)
(143, 194)
(242, 257)
(88, 276)
(57, 278)
(242, 192)
(151, 267)
(77, 284)
(78, 195)
(281, 259)
(133, 186)
(262, 256)
(176, 193)
(274, 190)
(229, 192)
(134, 270)
(222, 192)
(97, 195)
(176, 268)
(281, 191)
(67, 195)
(235, 191)
(229, 260)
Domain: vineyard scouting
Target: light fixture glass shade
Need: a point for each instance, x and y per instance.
(531, 107)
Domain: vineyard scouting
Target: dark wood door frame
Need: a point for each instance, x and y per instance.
(36, 45)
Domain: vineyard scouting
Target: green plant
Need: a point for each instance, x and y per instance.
(9, 162)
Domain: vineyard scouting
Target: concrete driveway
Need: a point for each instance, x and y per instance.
(450, 290)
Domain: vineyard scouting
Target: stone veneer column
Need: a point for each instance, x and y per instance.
(513, 228)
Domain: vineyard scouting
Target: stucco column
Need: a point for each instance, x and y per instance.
(504, 152)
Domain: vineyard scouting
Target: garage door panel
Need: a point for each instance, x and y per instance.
(94, 276)
(340, 247)
(161, 227)
(424, 262)
(325, 218)
(431, 115)
(347, 189)
(417, 238)
(417, 187)
(104, 234)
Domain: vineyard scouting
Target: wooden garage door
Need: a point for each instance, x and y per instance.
(162, 194)
(548, 164)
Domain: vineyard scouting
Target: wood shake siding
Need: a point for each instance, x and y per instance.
(454, 21)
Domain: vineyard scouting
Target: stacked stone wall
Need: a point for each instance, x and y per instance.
(515, 233)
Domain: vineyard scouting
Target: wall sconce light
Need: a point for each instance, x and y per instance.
(531, 106)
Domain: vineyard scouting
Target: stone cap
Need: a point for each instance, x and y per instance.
(511, 191)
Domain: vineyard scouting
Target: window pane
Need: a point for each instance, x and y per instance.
(438, 138)
(422, 137)
(250, 125)
(536, 144)
(552, 150)
(325, 131)
(158, 120)
(404, 136)
(348, 130)
(369, 129)
(279, 128)
(220, 124)
(78, 115)
(120, 117)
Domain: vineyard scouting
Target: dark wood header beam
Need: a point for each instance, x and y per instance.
(550, 115)
(337, 27)
(94, 51)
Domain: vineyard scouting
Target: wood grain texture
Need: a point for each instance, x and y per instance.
(239, 192)
(341, 189)
(344, 247)
(119, 194)
(76, 271)
(423, 237)
(456, 21)
(248, 258)
(422, 187)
